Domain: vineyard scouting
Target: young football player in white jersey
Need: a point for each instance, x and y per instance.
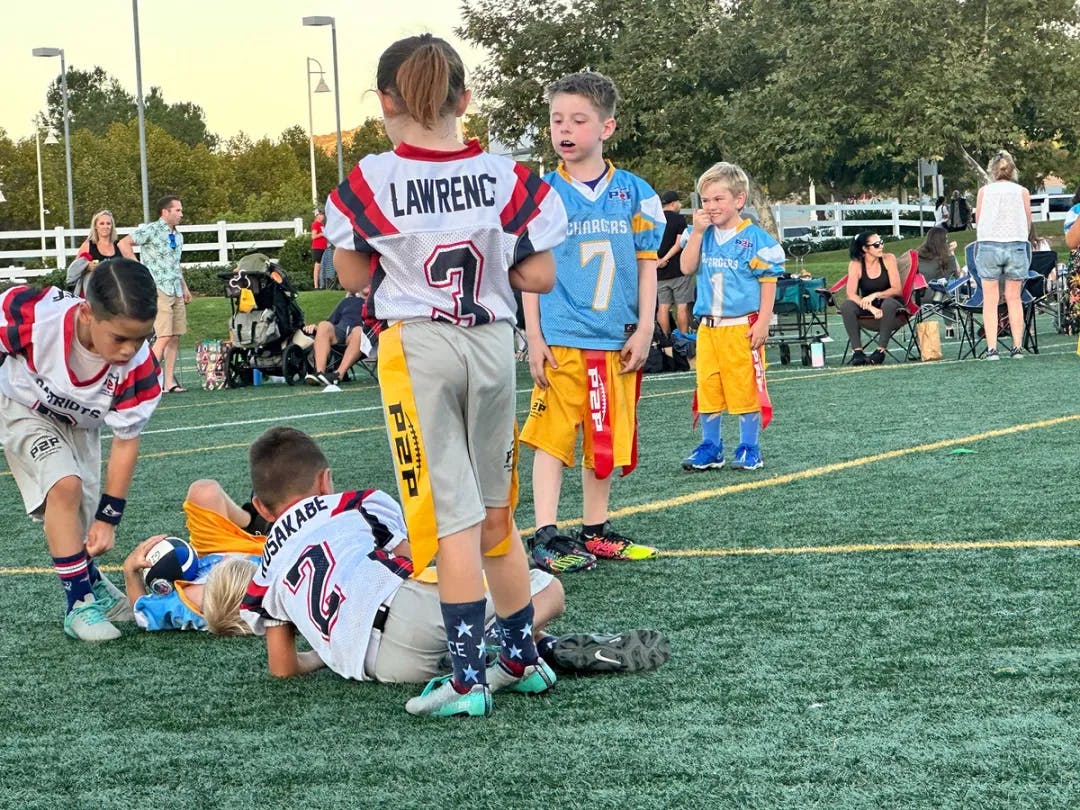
(447, 232)
(336, 569)
(737, 264)
(589, 337)
(71, 366)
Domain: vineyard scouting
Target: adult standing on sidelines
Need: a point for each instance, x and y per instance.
(672, 287)
(1003, 222)
(318, 245)
(162, 245)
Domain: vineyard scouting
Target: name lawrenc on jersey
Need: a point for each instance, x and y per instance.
(442, 195)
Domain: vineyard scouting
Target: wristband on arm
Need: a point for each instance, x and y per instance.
(110, 509)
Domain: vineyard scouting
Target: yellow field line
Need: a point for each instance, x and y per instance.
(816, 472)
(854, 548)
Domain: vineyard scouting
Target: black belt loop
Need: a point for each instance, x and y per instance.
(380, 618)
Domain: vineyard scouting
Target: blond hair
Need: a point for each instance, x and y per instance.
(93, 225)
(1002, 167)
(223, 591)
(729, 175)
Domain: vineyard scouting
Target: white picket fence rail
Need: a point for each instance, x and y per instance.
(829, 221)
(55, 249)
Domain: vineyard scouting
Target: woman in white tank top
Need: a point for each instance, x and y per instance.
(1003, 217)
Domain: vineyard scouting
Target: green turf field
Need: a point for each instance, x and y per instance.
(885, 616)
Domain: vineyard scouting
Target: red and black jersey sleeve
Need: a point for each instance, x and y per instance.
(355, 200)
(17, 310)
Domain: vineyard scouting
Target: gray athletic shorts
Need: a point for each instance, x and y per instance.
(414, 639)
(675, 290)
(40, 451)
(463, 384)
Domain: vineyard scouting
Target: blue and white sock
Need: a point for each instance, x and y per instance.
(464, 623)
(749, 428)
(74, 576)
(519, 649)
(710, 427)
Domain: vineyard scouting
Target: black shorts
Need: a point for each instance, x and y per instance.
(317, 254)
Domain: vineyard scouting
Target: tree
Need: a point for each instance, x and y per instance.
(367, 139)
(839, 90)
(182, 120)
(96, 100)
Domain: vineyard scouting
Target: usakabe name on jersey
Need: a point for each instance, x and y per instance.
(443, 229)
(327, 566)
(37, 330)
(731, 270)
(609, 228)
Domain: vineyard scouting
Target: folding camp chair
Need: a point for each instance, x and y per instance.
(1046, 293)
(903, 339)
(972, 334)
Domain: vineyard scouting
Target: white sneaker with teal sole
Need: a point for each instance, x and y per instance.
(113, 601)
(440, 699)
(537, 678)
(87, 622)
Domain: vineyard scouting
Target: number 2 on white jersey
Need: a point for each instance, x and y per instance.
(605, 278)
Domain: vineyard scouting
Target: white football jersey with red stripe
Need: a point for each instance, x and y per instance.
(327, 567)
(443, 229)
(37, 328)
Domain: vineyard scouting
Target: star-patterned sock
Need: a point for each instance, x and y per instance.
(464, 623)
(519, 649)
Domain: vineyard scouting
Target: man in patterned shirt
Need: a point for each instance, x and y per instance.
(161, 245)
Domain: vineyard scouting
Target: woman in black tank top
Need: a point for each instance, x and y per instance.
(102, 243)
(873, 291)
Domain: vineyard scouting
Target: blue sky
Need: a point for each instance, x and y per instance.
(243, 61)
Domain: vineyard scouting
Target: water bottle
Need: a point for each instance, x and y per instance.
(817, 355)
(256, 377)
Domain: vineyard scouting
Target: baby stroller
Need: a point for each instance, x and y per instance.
(264, 328)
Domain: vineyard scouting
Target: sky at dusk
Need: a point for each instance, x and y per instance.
(242, 61)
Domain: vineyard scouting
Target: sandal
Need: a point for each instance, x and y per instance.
(176, 389)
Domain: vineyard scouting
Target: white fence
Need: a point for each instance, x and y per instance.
(55, 249)
(832, 220)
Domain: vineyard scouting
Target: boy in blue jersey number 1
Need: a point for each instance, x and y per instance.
(737, 265)
(589, 337)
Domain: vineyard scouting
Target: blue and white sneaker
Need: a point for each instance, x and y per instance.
(706, 456)
(747, 457)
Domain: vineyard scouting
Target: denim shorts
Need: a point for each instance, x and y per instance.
(996, 259)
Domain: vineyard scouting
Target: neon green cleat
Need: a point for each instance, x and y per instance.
(614, 546)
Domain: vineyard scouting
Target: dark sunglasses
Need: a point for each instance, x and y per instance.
(878, 243)
(172, 241)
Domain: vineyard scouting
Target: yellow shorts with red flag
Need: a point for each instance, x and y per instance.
(729, 377)
(586, 391)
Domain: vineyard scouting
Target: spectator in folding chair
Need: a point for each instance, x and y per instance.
(936, 262)
(873, 292)
(1003, 223)
(345, 327)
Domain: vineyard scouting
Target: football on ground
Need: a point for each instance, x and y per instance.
(170, 559)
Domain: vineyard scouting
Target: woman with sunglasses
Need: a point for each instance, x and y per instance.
(873, 291)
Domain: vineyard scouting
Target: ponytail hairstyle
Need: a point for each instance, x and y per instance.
(1002, 167)
(122, 288)
(424, 76)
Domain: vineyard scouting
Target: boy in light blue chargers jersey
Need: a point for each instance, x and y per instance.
(737, 264)
(589, 337)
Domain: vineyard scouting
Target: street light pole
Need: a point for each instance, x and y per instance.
(67, 135)
(321, 20)
(40, 196)
(319, 88)
(142, 115)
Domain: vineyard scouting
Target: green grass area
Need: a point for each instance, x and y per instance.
(873, 620)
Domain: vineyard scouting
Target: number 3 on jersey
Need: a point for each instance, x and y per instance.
(600, 249)
(458, 268)
(313, 567)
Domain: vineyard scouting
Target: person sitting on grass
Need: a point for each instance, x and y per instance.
(337, 570)
(344, 326)
(873, 291)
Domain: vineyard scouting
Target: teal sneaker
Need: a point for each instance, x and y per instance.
(747, 457)
(440, 699)
(87, 622)
(113, 601)
(537, 678)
